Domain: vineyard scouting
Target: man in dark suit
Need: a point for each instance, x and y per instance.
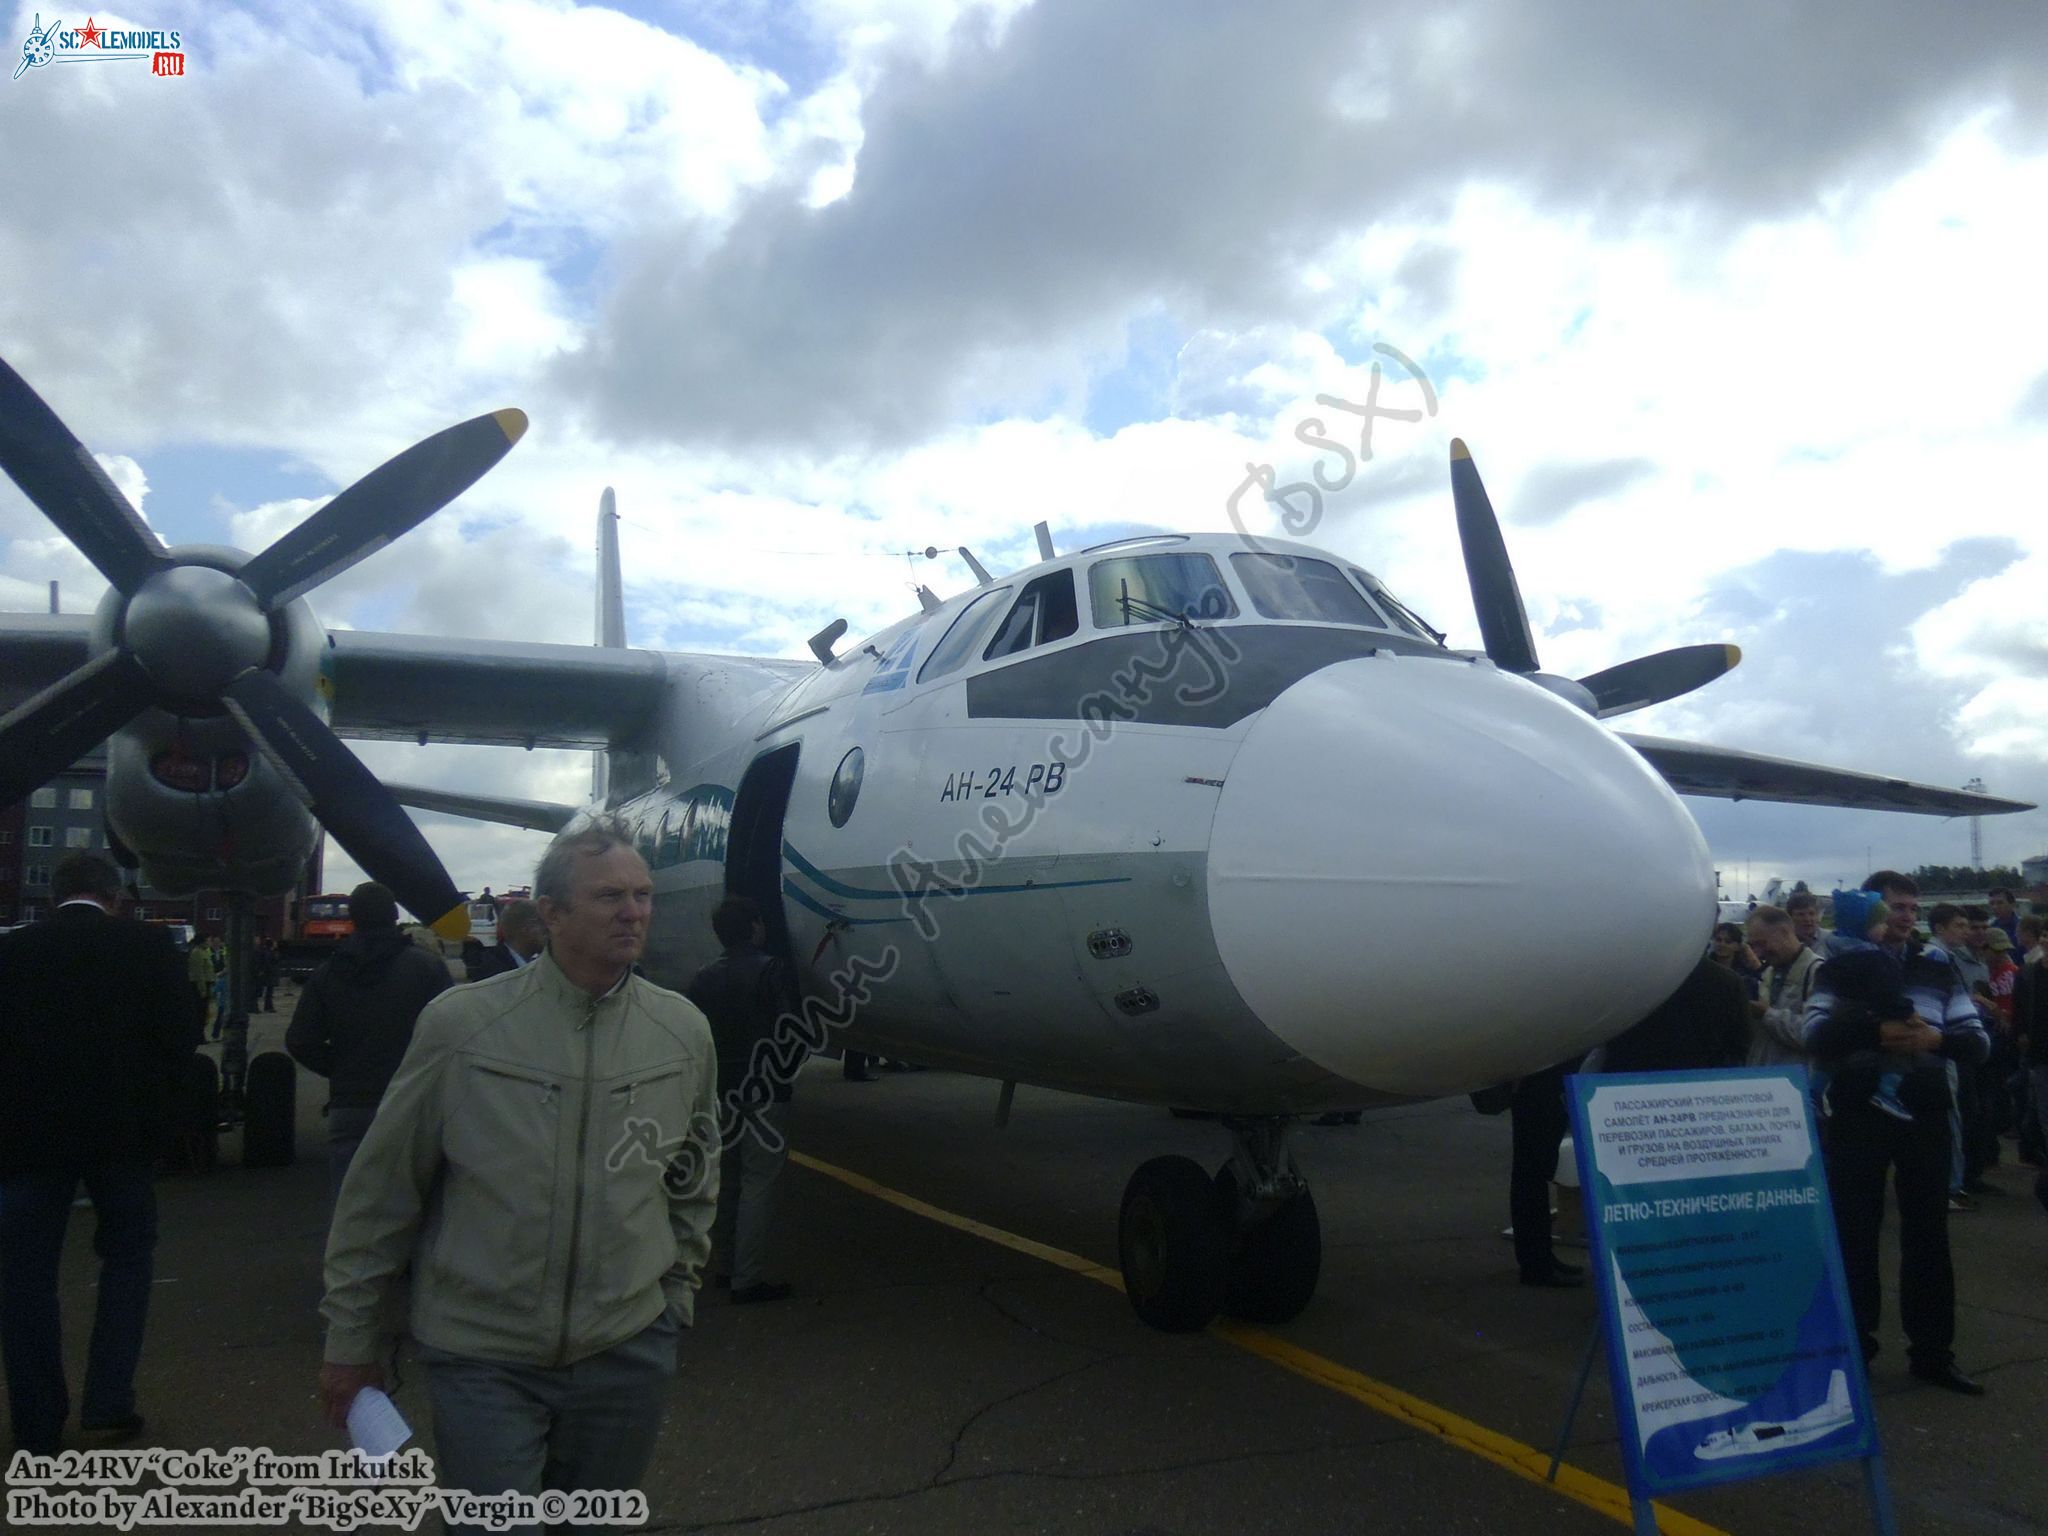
(521, 936)
(97, 1026)
(356, 1016)
(744, 994)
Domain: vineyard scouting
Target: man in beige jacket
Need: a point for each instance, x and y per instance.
(543, 1172)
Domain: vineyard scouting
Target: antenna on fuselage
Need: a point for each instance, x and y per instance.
(822, 642)
(981, 574)
(1044, 533)
(927, 599)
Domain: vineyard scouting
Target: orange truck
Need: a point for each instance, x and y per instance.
(323, 922)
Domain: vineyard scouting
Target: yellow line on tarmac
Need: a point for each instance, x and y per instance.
(1059, 1256)
(1525, 1461)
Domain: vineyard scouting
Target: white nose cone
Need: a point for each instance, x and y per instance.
(1429, 876)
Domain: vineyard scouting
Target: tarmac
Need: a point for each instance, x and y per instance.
(958, 1356)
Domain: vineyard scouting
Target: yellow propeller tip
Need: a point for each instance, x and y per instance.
(512, 422)
(454, 923)
(1734, 655)
(1459, 450)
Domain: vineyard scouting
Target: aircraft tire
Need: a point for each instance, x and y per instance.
(1275, 1265)
(1173, 1244)
(194, 1144)
(269, 1112)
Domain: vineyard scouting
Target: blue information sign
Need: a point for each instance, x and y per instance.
(1731, 1344)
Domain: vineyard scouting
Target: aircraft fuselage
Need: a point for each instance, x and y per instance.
(1251, 865)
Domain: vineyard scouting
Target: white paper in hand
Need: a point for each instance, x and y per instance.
(375, 1424)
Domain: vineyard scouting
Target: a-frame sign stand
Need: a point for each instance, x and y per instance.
(1731, 1347)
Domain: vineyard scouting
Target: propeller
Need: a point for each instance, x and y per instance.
(193, 638)
(1511, 645)
(1496, 599)
(68, 719)
(1665, 675)
(56, 473)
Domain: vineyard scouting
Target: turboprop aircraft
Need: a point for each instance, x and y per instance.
(1760, 1435)
(1166, 820)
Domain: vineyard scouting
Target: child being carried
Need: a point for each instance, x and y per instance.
(1869, 978)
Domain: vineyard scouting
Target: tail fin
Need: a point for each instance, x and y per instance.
(611, 618)
(1838, 1395)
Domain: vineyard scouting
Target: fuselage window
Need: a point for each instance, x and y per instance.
(1146, 589)
(1045, 612)
(964, 638)
(845, 786)
(1293, 587)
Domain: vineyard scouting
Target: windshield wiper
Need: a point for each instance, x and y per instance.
(1409, 614)
(1145, 610)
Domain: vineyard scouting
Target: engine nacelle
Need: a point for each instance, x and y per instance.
(188, 792)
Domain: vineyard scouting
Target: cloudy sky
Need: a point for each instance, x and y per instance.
(1739, 307)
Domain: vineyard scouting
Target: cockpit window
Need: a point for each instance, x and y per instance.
(1146, 589)
(1044, 613)
(1294, 587)
(964, 638)
(1403, 620)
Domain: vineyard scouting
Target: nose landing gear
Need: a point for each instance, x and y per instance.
(1246, 1242)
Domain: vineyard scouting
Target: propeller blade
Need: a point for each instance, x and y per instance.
(1652, 679)
(390, 500)
(1503, 623)
(56, 473)
(68, 719)
(357, 811)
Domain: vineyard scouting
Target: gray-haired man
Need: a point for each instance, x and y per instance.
(545, 1165)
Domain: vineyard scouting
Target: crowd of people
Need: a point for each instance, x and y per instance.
(1926, 1053)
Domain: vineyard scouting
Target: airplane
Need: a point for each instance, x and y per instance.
(1760, 1435)
(1178, 819)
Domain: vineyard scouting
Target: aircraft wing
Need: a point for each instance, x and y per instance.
(399, 687)
(36, 649)
(491, 692)
(1693, 768)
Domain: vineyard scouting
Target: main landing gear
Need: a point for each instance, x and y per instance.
(1245, 1242)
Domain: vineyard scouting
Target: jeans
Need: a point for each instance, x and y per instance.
(748, 1170)
(347, 1124)
(531, 1428)
(35, 1209)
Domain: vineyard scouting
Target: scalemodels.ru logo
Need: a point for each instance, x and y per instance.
(93, 44)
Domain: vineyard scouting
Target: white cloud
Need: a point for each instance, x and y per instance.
(1717, 307)
(128, 479)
